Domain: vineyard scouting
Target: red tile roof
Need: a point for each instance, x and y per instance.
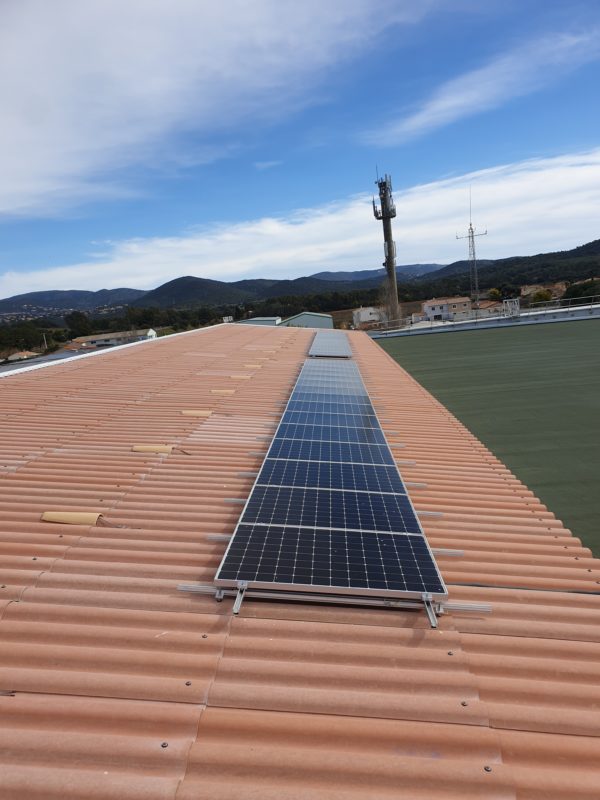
(114, 684)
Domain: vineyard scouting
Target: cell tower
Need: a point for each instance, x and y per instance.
(473, 275)
(386, 213)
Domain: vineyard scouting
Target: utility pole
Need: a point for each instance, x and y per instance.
(386, 213)
(473, 275)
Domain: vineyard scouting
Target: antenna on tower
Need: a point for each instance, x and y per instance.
(386, 213)
(473, 274)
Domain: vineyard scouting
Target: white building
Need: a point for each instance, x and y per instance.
(439, 309)
(367, 316)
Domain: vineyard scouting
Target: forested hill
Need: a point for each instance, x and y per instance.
(415, 282)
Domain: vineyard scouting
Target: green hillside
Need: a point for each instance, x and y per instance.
(530, 394)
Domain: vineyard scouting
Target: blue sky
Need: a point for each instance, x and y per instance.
(148, 139)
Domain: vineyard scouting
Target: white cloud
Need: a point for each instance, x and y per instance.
(92, 88)
(524, 70)
(262, 165)
(529, 207)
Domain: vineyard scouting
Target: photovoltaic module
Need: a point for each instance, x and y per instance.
(329, 513)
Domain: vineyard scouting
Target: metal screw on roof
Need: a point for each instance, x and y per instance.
(487, 769)
(34, 558)
(188, 683)
(165, 744)
(450, 652)
(4, 585)
(205, 635)
(464, 703)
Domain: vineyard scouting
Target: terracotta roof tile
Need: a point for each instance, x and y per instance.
(104, 661)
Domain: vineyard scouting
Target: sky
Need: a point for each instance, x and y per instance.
(149, 139)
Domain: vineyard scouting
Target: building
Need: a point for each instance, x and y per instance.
(308, 319)
(116, 683)
(366, 316)
(113, 339)
(447, 308)
(269, 321)
(490, 308)
(305, 319)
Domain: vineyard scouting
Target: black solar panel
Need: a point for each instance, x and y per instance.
(329, 511)
(318, 406)
(333, 509)
(328, 475)
(308, 559)
(333, 420)
(331, 451)
(328, 433)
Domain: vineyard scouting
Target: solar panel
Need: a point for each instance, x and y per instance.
(328, 475)
(328, 433)
(332, 509)
(340, 420)
(311, 559)
(329, 512)
(330, 344)
(348, 406)
(331, 451)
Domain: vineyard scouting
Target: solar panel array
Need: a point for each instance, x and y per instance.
(330, 344)
(329, 512)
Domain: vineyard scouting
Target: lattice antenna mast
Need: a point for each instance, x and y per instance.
(386, 213)
(473, 274)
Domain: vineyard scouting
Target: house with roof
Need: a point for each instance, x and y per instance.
(440, 309)
(490, 308)
(366, 316)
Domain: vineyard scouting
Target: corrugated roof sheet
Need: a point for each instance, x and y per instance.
(114, 684)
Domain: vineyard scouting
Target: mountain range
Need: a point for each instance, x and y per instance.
(189, 291)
